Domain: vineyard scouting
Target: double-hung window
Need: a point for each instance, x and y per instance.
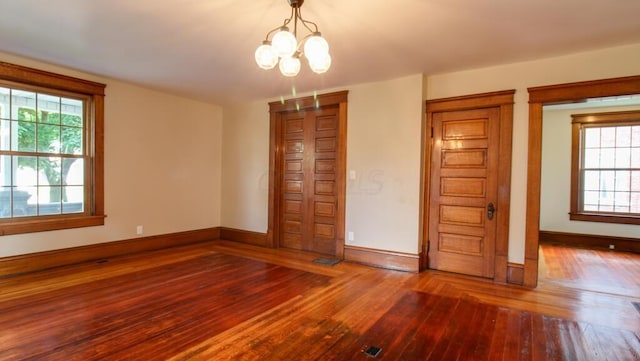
(605, 179)
(51, 151)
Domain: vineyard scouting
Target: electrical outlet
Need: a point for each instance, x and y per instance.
(139, 230)
(350, 236)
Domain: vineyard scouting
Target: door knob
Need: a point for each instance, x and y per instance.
(491, 209)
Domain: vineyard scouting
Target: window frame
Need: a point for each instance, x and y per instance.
(94, 216)
(579, 122)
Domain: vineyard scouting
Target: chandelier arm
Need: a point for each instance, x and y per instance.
(292, 16)
(305, 22)
(271, 32)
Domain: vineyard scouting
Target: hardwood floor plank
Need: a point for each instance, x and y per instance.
(498, 340)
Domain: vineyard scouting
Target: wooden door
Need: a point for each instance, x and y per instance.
(310, 166)
(463, 191)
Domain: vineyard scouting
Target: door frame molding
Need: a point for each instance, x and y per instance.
(276, 109)
(550, 94)
(503, 100)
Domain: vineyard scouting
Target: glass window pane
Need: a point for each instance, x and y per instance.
(48, 109)
(608, 137)
(592, 137)
(23, 105)
(591, 180)
(74, 171)
(75, 199)
(607, 179)
(623, 136)
(48, 138)
(49, 200)
(5, 111)
(72, 112)
(591, 198)
(24, 200)
(592, 158)
(622, 199)
(5, 170)
(623, 158)
(635, 203)
(71, 140)
(635, 157)
(5, 202)
(635, 136)
(5, 135)
(607, 157)
(26, 171)
(49, 171)
(25, 134)
(623, 180)
(635, 181)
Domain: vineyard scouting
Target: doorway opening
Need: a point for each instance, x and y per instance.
(590, 256)
(539, 97)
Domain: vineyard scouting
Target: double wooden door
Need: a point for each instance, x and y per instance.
(312, 181)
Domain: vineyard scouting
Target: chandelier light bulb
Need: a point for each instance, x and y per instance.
(290, 66)
(315, 46)
(284, 43)
(320, 63)
(266, 56)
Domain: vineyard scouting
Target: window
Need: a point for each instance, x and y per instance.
(605, 178)
(51, 151)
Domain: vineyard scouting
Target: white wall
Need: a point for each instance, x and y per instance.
(556, 177)
(245, 167)
(383, 148)
(599, 64)
(162, 167)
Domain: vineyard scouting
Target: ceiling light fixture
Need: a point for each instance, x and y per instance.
(285, 49)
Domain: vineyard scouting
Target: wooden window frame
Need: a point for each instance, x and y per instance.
(95, 93)
(579, 123)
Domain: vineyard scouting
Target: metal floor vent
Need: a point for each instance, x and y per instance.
(636, 305)
(372, 351)
(327, 261)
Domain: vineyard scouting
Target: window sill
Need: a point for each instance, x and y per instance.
(605, 218)
(50, 224)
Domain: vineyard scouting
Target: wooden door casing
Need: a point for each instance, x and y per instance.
(502, 101)
(316, 170)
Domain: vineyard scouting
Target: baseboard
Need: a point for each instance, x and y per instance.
(44, 260)
(384, 259)
(515, 273)
(590, 241)
(239, 235)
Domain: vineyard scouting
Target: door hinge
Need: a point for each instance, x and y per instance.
(431, 132)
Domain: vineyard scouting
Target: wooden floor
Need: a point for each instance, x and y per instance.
(229, 301)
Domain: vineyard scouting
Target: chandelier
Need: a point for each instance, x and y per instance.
(285, 50)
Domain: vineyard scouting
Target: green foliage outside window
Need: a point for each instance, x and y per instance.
(54, 133)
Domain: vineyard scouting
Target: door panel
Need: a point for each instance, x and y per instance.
(464, 168)
(309, 174)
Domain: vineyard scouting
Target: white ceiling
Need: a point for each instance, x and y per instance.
(204, 49)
